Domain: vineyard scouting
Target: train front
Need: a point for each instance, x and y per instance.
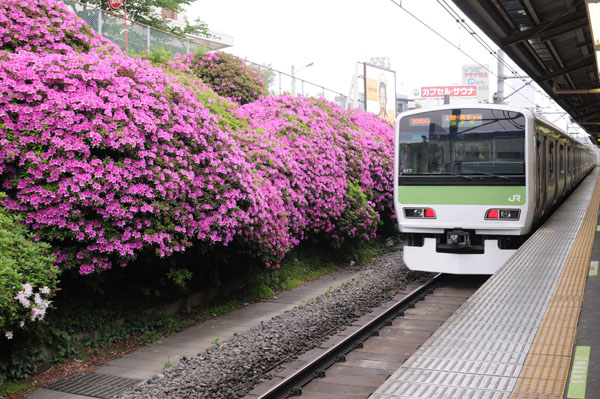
(460, 192)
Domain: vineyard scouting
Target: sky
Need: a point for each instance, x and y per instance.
(336, 34)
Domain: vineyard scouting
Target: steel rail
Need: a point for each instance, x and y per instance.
(292, 385)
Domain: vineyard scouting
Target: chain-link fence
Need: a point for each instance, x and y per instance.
(140, 37)
(279, 83)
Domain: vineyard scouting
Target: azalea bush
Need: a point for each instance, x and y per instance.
(28, 277)
(332, 167)
(105, 156)
(130, 158)
(47, 26)
(228, 75)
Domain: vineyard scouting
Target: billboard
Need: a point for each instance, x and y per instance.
(441, 91)
(380, 92)
(478, 76)
(382, 62)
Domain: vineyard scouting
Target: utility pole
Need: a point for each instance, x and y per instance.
(294, 72)
(293, 82)
(499, 99)
(353, 95)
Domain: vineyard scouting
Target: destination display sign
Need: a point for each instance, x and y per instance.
(462, 120)
(419, 121)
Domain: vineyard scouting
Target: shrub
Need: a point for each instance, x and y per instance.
(28, 277)
(332, 167)
(107, 156)
(227, 75)
(47, 26)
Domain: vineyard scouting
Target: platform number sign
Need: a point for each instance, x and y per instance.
(115, 4)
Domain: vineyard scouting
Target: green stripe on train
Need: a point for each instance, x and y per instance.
(462, 195)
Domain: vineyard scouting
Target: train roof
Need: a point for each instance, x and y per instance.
(586, 141)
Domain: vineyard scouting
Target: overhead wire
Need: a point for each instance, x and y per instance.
(472, 32)
(460, 20)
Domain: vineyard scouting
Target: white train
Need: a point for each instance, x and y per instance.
(472, 182)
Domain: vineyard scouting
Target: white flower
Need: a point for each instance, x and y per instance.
(22, 297)
(45, 290)
(27, 289)
(9, 335)
(37, 299)
(37, 314)
(22, 324)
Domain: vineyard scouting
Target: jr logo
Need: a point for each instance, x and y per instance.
(514, 198)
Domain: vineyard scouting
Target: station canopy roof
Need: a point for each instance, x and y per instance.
(551, 40)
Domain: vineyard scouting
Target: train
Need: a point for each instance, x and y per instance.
(471, 183)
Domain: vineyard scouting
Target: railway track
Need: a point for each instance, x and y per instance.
(354, 365)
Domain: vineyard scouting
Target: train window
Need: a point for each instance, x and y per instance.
(551, 160)
(561, 159)
(492, 145)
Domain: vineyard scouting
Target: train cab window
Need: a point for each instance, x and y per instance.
(442, 146)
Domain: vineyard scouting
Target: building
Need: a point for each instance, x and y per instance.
(213, 40)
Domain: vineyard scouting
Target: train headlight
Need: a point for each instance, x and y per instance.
(419, 213)
(502, 214)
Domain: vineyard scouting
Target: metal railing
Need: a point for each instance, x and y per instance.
(140, 37)
(283, 83)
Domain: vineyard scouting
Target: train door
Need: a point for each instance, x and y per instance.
(569, 171)
(561, 171)
(540, 174)
(551, 183)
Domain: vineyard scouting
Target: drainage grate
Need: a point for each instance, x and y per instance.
(95, 385)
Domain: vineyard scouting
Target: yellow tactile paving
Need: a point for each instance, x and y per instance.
(540, 372)
(556, 336)
(537, 359)
(541, 388)
(535, 396)
(555, 350)
(567, 318)
(546, 369)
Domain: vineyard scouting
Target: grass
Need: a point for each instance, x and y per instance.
(11, 388)
(300, 266)
(307, 264)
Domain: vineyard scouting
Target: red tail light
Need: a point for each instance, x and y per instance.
(503, 214)
(429, 213)
(492, 214)
(419, 213)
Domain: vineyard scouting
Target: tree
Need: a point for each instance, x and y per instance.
(266, 72)
(149, 12)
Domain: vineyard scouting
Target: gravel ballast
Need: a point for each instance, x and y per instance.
(232, 368)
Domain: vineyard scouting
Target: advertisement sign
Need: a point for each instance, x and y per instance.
(382, 62)
(478, 76)
(441, 91)
(115, 4)
(380, 92)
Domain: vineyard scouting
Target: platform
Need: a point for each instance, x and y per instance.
(528, 332)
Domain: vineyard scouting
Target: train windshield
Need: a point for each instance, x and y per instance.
(463, 142)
